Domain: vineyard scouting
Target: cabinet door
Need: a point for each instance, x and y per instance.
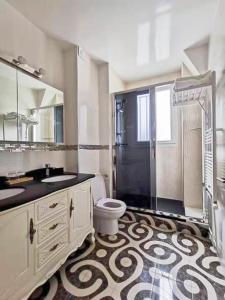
(81, 216)
(16, 250)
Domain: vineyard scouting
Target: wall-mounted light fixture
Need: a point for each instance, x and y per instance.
(20, 61)
(39, 73)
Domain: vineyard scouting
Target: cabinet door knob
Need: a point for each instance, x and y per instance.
(32, 231)
(71, 207)
(53, 226)
(54, 247)
(53, 205)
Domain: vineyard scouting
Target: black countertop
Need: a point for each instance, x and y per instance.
(37, 189)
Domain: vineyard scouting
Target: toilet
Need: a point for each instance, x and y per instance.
(106, 211)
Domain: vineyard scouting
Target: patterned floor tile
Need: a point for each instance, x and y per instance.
(147, 259)
(167, 289)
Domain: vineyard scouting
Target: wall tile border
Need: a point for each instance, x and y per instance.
(27, 146)
(94, 147)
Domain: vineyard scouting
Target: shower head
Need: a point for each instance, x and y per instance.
(121, 105)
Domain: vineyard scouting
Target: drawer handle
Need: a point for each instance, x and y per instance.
(54, 247)
(53, 205)
(53, 226)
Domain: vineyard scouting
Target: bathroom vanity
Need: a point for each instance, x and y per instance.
(37, 235)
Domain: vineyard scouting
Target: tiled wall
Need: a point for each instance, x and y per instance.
(93, 115)
(24, 161)
(169, 177)
(192, 152)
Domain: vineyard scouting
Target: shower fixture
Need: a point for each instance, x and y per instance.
(121, 105)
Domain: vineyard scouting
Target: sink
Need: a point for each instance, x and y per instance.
(6, 193)
(59, 178)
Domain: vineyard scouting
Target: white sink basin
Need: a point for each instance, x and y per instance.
(6, 193)
(59, 178)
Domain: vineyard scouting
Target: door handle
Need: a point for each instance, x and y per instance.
(121, 144)
(32, 231)
(71, 207)
(154, 148)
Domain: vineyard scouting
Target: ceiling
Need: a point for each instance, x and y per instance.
(139, 38)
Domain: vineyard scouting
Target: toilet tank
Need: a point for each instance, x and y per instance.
(98, 188)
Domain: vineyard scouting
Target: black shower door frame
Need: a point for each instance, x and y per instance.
(151, 204)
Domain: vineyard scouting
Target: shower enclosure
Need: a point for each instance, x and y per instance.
(134, 158)
(147, 153)
(163, 154)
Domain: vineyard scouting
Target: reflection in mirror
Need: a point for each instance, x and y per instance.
(40, 111)
(8, 103)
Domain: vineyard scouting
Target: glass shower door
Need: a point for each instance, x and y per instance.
(135, 152)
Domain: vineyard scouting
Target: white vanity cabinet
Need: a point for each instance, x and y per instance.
(16, 250)
(80, 212)
(36, 238)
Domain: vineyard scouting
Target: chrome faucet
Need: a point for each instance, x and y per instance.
(47, 166)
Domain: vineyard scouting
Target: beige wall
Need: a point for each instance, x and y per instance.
(104, 103)
(179, 165)
(93, 115)
(115, 83)
(25, 161)
(104, 117)
(88, 101)
(153, 80)
(192, 149)
(20, 37)
(70, 99)
(196, 57)
(217, 42)
(88, 112)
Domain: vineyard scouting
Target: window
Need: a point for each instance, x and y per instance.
(163, 114)
(58, 124)
(143, 111)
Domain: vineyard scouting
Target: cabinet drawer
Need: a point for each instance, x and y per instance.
(50, 205)
(48, 251)
(53, 225)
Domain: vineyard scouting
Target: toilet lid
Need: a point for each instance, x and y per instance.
(98, 188)
(111, 204)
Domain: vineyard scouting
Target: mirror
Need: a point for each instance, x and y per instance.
(30, 110)
(8, 103)
(40, 111)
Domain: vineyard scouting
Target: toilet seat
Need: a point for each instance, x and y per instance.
(110, 204)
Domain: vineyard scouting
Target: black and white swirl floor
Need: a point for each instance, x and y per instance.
(147, 259)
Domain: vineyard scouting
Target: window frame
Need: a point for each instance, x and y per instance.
(172, 115)
(149, 116)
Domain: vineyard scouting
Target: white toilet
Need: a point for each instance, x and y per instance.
(106, 211)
